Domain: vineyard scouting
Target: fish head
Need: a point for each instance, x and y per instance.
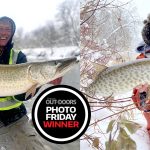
(52, 70)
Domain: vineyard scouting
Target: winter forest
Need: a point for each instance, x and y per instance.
(62, 32)
(110, 31)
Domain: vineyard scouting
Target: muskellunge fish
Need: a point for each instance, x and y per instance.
(120, 79)
(20, 78)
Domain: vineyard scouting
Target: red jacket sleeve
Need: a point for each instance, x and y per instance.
(56, 81)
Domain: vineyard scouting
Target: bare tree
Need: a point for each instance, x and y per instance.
(18, 38)
(106, 31)
(64, 31)
(107, 28)
(68, 16)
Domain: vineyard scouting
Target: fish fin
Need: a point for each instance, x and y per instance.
(31, 91)
(98, 69)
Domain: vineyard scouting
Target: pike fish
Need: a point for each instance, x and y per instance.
(26, 77)
(120, 79)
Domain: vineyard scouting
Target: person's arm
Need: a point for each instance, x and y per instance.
(140, 97)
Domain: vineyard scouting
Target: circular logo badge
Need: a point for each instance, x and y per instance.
(61, 114)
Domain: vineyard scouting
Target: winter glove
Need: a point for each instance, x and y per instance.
(141, 97)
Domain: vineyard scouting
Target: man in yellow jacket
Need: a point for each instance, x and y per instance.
(16, 133)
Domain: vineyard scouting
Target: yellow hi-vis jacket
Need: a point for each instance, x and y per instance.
(9, 102)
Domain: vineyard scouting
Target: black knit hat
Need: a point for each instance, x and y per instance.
(13, 26)
(146, 30)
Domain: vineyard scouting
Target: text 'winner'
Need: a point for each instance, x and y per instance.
(60, 116)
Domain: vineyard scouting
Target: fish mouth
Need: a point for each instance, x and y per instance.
(66, 65)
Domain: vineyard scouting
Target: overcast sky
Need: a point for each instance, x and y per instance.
(143, 7)
(29, 14)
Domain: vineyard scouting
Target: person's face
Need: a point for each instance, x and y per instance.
(5, 33)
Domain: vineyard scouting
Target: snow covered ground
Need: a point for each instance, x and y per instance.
(40, 54)
(141, 136)
(72, 78)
